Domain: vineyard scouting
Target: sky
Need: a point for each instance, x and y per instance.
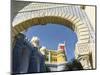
(51, 35)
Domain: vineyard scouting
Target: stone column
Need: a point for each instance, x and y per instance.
(82, 53)
(49, 57)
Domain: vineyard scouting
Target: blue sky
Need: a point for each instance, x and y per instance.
(51, 35)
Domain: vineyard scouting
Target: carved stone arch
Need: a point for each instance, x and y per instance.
(25, 19)
(73, 23)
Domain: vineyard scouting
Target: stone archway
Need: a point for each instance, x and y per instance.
(71, 16)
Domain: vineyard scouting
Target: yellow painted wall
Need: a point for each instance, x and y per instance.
(57, 56)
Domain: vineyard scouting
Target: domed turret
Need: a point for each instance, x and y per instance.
(35, 41)
(43, 50)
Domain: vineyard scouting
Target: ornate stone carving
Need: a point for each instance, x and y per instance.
(85, 61)
(83, 48)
